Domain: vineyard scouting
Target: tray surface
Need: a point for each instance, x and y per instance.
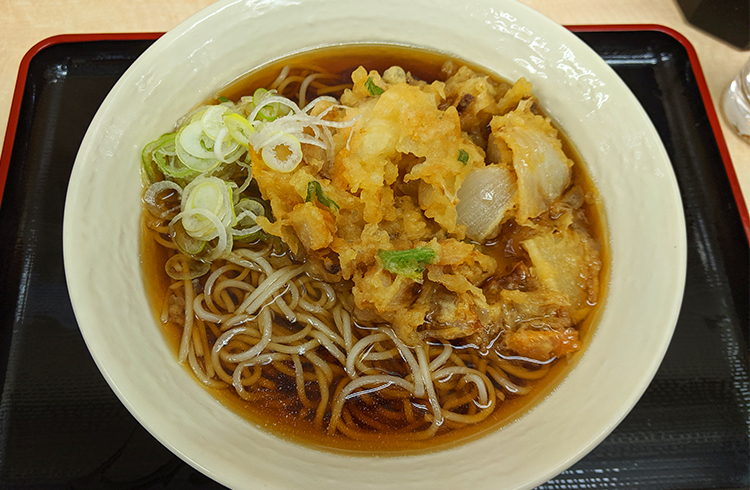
(61, 426)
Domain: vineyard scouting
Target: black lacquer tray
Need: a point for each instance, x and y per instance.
(61, 426)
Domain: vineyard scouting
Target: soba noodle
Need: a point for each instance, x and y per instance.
(229, 332)
(258, 317)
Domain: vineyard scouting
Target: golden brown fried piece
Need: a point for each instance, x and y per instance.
(395, 179)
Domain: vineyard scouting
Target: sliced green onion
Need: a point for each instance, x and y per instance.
(203, 199)
(268, 106)
(173, 166)
(213, 120)
(234, 156)
(409, 263)
(225, 146)
(282, 153)
(162, 152)
(372, 88)
(147, 161)
(191, 138)
(247, 211)
(239, 128)
(180, 267)
(192, 162)
(463, 156)
(248, 179)
(251, 208)
(259, 95)
(186, 243)
(267, 112)
(193, 116)
(314, 190)
(223, 245)
(200, 223)
(149, 198)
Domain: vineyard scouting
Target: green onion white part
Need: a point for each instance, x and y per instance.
(201, 161)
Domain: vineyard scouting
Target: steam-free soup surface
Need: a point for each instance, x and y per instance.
(409, 261)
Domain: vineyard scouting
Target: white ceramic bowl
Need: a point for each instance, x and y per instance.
(600, 115)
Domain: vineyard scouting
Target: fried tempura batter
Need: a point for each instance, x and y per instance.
(390, 230)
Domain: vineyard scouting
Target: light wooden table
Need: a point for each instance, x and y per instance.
(23, 23)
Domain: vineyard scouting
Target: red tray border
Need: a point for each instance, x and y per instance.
(15, 108)
(23, 71)
(707, 102)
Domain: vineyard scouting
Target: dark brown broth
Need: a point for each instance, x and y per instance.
(277, 412)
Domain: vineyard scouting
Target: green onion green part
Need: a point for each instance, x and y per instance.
(372, 88)
(408, 263)
(463, 156)
(315, 190)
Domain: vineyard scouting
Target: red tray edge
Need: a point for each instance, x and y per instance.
(15, 108)
(23, 69)
(705, 96)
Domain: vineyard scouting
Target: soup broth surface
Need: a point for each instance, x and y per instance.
(380, 424)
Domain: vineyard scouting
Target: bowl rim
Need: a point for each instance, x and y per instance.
(80, 292)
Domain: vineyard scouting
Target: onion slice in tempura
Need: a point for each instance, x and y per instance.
(486, 199)
(541, 167)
